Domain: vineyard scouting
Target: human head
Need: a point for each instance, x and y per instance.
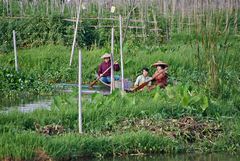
(106, 59)
(160, 67)
(145, 71)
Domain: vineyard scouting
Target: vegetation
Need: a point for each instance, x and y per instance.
(198, 111)
(133, 120)
(122, 126)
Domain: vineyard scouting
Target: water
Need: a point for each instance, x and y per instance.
(25, 103)
(29, 103)
(179, 157)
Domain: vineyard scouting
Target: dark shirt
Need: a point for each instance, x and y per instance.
(104, 66)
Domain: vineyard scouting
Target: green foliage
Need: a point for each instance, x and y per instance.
(38, 30)
(203, 83)
(12, 81)
(103, 118)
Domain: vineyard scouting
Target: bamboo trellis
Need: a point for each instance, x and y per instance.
(144, 15)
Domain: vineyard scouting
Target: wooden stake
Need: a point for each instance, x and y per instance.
(80, 91)
(15, 50)
(112, 62)
(75, 33)
(47, 4)
(236, 17)
(121, 52)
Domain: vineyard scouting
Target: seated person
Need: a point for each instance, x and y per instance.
(106, 77)
(143, 78)
(160, 76)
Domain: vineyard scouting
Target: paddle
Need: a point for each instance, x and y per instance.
(146, 83)
(95, 81)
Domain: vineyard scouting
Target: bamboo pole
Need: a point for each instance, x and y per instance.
(183, 14)
(80, 92)
(236, 17)
(7, 7)
(15, 50)
(21, 7)
(165, 5)
(143, 21)
(121, 52)
(128, 17)
(99, 14)
(173, 7)
(11, 8)
(75, 32)
(155, 23)
(112, 62)
(47, 5)
(227, 16)
(62, 8)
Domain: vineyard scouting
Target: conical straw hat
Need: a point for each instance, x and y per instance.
(106, 55)
(160, 63)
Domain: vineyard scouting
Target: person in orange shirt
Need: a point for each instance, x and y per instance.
(160, 76)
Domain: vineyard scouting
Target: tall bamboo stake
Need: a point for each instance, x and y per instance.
(236, 17)
(10, 8)
(155, 23)
(165, 4)
(143, 21)
(15, 50)
(183, 14)
(112, 62)
(21, 7)
(227, 16)
(99, 14)
(80, 92)
(75, 32)
(7, 6)
(121, 52)
(47, 7)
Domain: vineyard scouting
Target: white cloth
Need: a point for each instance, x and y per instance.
(141, 79)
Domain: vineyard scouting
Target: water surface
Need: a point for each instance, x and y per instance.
(29, 103)
(179, 157)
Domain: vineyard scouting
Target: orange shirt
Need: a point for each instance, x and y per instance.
(161, 79)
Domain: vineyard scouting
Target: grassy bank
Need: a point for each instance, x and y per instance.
(191, 114)
(40, 67)
(136, 124)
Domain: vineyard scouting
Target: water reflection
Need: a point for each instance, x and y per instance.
(179, 157)
(29, 103)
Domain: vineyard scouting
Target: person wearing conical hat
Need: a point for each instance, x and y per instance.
(106, 77)
(160, 76)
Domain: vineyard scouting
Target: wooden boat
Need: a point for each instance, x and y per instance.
(118, 84)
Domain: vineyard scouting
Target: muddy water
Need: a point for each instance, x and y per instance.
(25, 103)
(29, 103)
(179, 157)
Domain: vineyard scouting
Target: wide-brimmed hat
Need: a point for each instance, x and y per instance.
(106, 55)
(160, 63)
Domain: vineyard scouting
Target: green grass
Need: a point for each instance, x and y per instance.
(47, 65)
(105, 131)
(106, 134)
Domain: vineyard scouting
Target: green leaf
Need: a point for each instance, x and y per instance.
(205, 103)
(185, 100)
(156, 97)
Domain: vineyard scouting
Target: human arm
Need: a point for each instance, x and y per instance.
(159, 74)
(116, 66)
(137, 81)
